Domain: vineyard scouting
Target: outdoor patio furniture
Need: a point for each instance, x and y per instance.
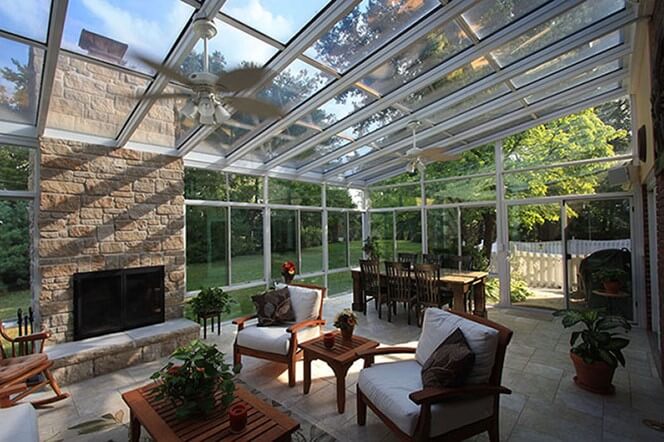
(279, 343)
(394, 390)
(27, 370)
(432, 258)
(157, 416)
(412, 258)
(339, 358)
(370, 284)
(399, 287)
(429, 292)
(457, 262)
(19, 423)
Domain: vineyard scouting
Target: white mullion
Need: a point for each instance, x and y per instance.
(267, 235)
(324, 233)
(348, 254)
(298, 238)
(423, 216)
(502, 229)
(229, 248)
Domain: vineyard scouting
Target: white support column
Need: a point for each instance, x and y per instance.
(423, 216)
(366, 218)
(502, 236)
(394, 234)
(229, 239)
(324, 234)
(298, 238)
(267, 235)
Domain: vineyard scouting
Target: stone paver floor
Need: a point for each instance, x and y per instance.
(545, 405)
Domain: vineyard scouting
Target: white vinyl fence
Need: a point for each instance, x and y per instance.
(540, 264)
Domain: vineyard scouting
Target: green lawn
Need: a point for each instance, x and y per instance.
(12, 301)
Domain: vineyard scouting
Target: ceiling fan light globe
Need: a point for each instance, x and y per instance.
(206, 108)
(207, 119)
(189, 110)
(221, 114)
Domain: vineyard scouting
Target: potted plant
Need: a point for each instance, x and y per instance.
(211, 301)
(346, 320)
(192, 384)
(288, 271)
(370, 248)
(599, 350)
(612, 279)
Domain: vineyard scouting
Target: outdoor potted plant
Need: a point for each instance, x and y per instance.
(346, 320)
(211, 301)
(193, 383)
(370, 248)
(288, 271)
(612, 279)
(599, 351)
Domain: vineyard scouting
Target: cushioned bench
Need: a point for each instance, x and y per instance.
(19, 423)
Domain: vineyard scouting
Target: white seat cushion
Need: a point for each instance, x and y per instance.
(305, 301)
(483, 341)
(272, 339)
(19, 424)
(388, 385)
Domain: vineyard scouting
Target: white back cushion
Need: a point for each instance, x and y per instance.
(483, 341)
(305, 301)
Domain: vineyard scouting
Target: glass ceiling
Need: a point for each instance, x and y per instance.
(349, 75)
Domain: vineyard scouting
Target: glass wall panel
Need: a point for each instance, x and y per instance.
(246, 245)
(311, 240)
(15, 167)
(244, 304)
(283, 227)
(14, 257)
(339, 283)
(313, 280)
(463, 190)
(382, 230)
(337, 241)
(342, 197)
(21, 67)
(478, 234)
(409, 231)
(355, 240)
(207, 234)
(401, 196)
(294, 193)
(245, 188)
(203, 184)
(479, 160)
(443, 231)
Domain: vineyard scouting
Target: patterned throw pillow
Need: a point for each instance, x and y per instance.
(273, 307)
(450, 363)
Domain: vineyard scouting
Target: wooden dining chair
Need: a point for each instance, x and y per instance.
(412, 258)
(370, 285)
(428, 290)
(432, 258)
(457, 262)
(399, 287)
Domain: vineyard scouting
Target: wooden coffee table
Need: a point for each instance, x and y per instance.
(339, 358)
(264, 422)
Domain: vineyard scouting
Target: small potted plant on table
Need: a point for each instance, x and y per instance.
(194, 383)
(211, 302)
(288, 271)
(599, 350)
(346, 320)
(612, 279)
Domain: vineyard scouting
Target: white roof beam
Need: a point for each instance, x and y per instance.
(56, 26)
(181, 50)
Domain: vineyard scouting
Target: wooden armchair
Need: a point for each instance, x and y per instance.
(279, 343)
(395, 394)
(27, 370)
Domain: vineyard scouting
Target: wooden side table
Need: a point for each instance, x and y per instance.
(339, 358)
(610, 298)
(210, 316)
(264, 422)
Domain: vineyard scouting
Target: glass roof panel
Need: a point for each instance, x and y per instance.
(451, 82)
(220, 141)
(419, 57)
(116, 31)
(471, 102)
(497, 129)
(279, 19)
(327, 146)
(568, 59)
(231, 48)
(488, 16)
(476, 120)
(92, 99)
(357, 153)
(26, 18)
(18, 91)
(555, 29)
(583, 77)
(374, 122)
(591, 93)
(297, 82)
(164, 125)
(370, 25)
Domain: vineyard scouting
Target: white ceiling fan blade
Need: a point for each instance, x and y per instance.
(166, 96)
(254, 107)
(241, 79)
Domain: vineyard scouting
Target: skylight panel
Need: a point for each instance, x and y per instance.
(473, 101)
(419, 57)
(116, 31)
(489, 16)
(370, 25)
(475, 120)
(279, 19)
(357, 153)
(27, 18)
(560, 27)
(324, 148)
(19, 91)
(220, 141)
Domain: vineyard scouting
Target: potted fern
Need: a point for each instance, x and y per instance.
(612, 279)
(596, 347)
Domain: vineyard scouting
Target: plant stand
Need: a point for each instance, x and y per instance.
(210, 316)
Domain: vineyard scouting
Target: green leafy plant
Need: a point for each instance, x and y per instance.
(614, 274)
(191, 385)
(211, 300)
(598, 342)
(370, 248)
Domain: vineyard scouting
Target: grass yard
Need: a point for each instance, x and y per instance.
(12, 301)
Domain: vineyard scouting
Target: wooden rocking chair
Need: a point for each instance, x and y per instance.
(27, 370)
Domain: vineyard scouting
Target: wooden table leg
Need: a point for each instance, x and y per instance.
(219, 324)
(358, 300)
(340, 372)
(307, 373)
(459, 303)
(134, 428)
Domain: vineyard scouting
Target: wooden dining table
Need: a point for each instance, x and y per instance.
(459, 282)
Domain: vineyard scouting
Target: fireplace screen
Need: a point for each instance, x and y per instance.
(116, 300)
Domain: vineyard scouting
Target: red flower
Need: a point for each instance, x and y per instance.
(288, 267)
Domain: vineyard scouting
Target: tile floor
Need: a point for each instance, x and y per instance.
(545, 405)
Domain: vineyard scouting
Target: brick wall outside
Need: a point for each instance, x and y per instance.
(646, 259)
(100, 209)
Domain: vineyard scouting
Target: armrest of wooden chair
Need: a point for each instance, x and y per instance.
(241, 320)
(305, 324)
(368, 355)
(7, 391)
(435, 395)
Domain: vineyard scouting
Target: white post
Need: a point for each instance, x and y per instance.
(423, 216)
(324, 233)
(267, 238)
(502, 232)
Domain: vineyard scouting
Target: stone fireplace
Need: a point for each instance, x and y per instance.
(106, 209)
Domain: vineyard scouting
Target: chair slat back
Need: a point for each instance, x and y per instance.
(427, 282)
(399, 281)
(457, 262)
(370, 275)
(431, 258)
(411, 258)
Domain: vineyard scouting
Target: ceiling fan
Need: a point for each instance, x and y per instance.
(212, 98)
(418, 157)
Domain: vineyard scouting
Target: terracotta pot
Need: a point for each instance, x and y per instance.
(612, 286)
(347, 333)
(328, 339)
(595, 377)
(288, 278)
